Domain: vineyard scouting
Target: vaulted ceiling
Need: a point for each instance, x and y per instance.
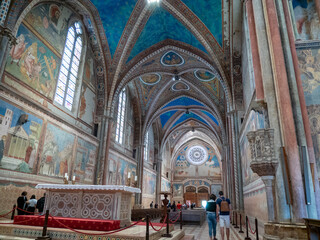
(175, 58)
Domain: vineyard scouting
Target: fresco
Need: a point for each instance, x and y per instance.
(87, 105)
(57, 157)
(183, 101)
(18, 142)
(160, 26)
(309, 60)
(149, 183)
(165, 185)
(177, 190)
(88, 71)
(33, 63)
(51, 22)
(114, 16)
(255, 121)
(171, 59)
(216, 188)
(180, 86)
(150, 79)
(186, 116)
(166, 116)
(211, 167)
(204, 75)
(85, 162)
(210, 13)
(211, 116)
(119, 170)
(307, 20)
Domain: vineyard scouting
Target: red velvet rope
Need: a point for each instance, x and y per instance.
(250, 228)
(32, 213)
(94, 234)
(1, 216)
(176, 218)
(164, 223)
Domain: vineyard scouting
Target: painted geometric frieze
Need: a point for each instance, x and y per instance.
(64, 204)
(172, 59)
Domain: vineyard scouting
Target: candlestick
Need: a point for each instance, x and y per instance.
(129, 174)
(136, 178)
(73, 178)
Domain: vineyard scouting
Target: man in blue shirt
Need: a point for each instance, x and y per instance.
(224, 209)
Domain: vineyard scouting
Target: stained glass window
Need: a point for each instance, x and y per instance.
(121, 116)
(4, 7)
(146, 147)
(69, 67)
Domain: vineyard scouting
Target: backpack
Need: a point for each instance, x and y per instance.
(224, 205)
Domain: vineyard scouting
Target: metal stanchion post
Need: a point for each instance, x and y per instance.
(44, 230)
(247, 228)
(240, 224)
(147, 227)
(180, 219)
(167, 235)
(257, 232)
(12, 215)
(236, 221)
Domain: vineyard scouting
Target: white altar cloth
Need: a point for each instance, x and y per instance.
(109, 202)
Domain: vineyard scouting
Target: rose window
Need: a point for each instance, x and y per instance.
(197, 155)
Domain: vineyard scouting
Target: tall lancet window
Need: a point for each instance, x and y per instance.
(146, 147)
(121, 115)
(4, 7)
(68, 74)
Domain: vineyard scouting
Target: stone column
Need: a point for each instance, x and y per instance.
(285, 112)
(108, 133)
(158, 184)
(139, 154)
(304, 113)
(264, 163)
(271, 101)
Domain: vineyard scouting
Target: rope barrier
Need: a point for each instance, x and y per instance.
(94, 234)
(163, 223)
(1, 216)
(253, 232)
(31, 213)
(176, 218)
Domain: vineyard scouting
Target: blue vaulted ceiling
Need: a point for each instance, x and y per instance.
(160, 26)
(166, 116)
(114, 15)
(186, 116)
(183, 101)
(211, 116)
(210, 13)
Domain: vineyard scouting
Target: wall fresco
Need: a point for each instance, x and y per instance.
(216, 188)
(165, 185)
(149, 183)
(255, 121)
(51, 22)
(87, 105)
(85, 162)
(177, 190)
(88, 71)
(119, 170)
(57, 153)
(18, 142)
(307, 19)
(309, 60)
(33, 63)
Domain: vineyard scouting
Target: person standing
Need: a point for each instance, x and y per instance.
(21, 203)
(223, 210)
(211, 209)
(151, 204)
(40, 203)
(32, 205)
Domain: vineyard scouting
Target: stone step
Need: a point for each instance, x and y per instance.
(3, 237)
(188, 237)
(176, 235)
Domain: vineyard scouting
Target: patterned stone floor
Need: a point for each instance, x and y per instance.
(202, 232)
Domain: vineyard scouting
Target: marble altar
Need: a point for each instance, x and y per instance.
(109, 202)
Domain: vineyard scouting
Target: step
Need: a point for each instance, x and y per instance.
(188, 237)
(3, 237)
(176, 235)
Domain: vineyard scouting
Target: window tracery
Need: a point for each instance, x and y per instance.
(121, 116)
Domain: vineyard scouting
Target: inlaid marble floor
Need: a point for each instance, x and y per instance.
(202, 232)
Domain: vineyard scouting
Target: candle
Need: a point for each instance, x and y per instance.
(73, 178)
(129, 174)
(66, 175)
(136, 178)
